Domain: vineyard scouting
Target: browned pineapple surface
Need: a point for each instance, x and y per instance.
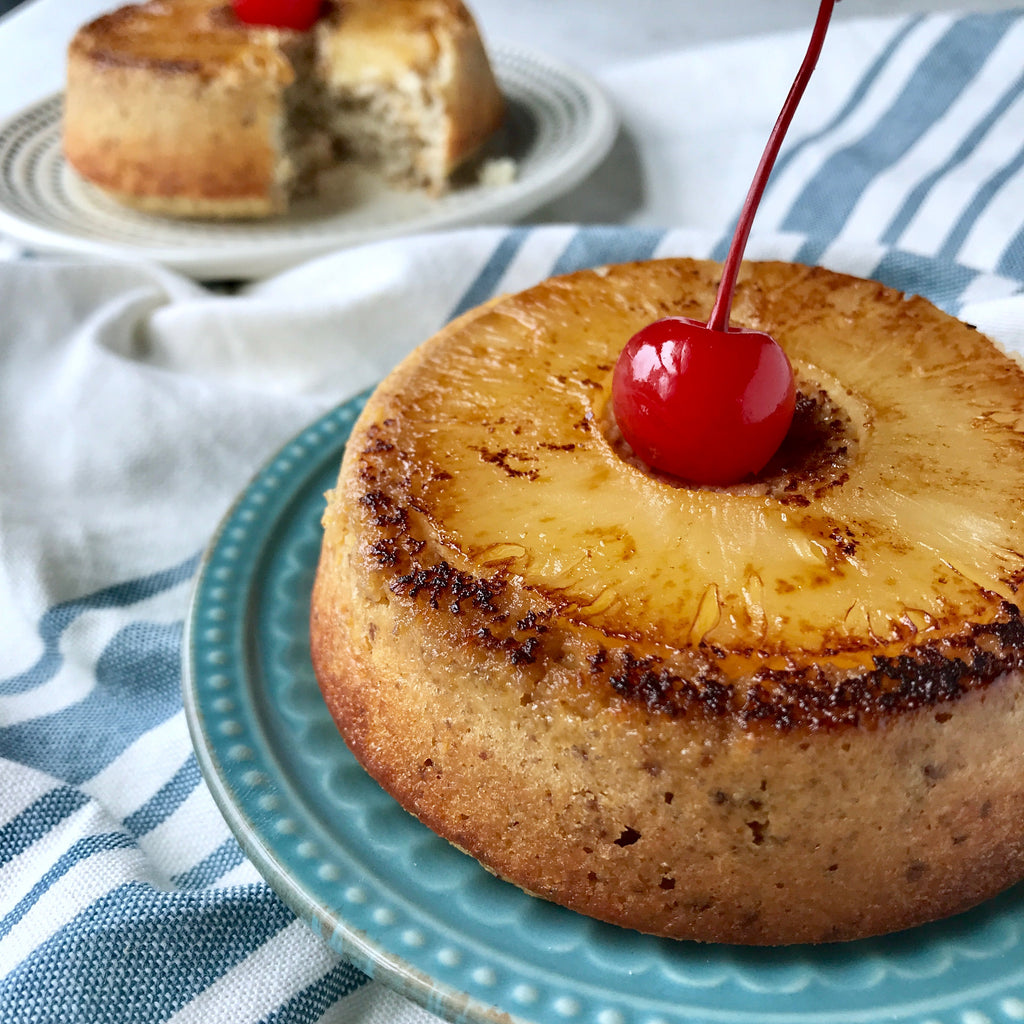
(698, 712)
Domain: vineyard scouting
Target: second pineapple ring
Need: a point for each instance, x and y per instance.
(783, 711)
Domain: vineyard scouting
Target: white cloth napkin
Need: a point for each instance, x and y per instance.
(135, 404)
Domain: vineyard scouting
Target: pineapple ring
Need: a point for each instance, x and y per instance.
(693, 711)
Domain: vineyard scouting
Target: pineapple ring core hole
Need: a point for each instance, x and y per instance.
(814, 455)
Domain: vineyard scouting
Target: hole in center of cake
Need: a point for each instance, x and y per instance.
(815, 455)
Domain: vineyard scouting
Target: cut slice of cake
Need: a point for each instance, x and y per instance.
(178, 108)
(409, 87)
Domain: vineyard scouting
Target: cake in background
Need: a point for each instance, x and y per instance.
(181, 108)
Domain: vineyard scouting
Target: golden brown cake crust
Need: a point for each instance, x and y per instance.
(181, 36)
(641, 758)
(678, 827)
(175, 108)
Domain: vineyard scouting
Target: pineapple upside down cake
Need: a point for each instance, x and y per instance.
(783, 709)
(209, 108)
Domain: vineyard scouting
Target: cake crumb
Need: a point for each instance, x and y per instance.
(497, 172)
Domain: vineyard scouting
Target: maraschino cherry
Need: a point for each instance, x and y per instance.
(295, 14)
(711, 403)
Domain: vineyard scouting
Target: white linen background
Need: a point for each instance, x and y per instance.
(135, 404)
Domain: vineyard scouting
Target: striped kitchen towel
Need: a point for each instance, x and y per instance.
(134, 405)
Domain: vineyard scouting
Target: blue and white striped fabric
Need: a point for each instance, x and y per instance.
(134, 405)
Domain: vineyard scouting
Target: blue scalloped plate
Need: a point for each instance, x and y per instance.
(426, 919)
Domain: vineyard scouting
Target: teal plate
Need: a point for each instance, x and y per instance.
(420, 916)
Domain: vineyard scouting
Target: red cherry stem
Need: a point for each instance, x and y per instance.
(719, 319)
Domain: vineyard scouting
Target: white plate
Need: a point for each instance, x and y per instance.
(559, 128)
